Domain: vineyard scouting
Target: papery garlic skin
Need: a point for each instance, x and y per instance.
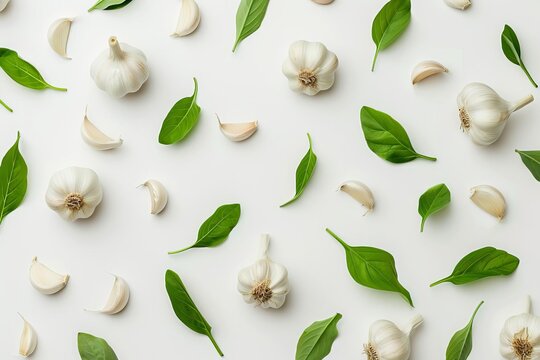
(74, 193)
(118, 297)
(29, 340)
(3, 4)
(360, 192)
(425, 69)
(58, 35)
(483, 113)
(489, 199)
(389, 342)
(45, 280)
(158, 196)
(120, 70)
(458, 4)
(310, 67)
(520, 336)
(97, 138)
(264, 283)
(238, 131)
(189, 20)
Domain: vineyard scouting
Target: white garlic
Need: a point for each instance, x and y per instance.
(28, 341)
(45, 280)
(118, 297)
(490, 200)
(190, 17)
(264, 283)
(323, 2)
(520, 336)
(158, 196)
(238, 131)
(3, 4)
(74, 193)
(120, 70)
(360, 192)
(58, 36)
(458, 4)
(426, 69)
(310, 67)
(389, 342)
(483, 113)
(97, 138)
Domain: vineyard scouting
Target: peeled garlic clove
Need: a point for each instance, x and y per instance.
(28, 341)
(96, 138)
(360, 192)
(190, 17)
(323, 2)
(238, 131)
(58, 35)
(45, 280)
(458, 4)
(489, 199)
(158, 196)
(3, 4)
(118, 297)
(426, 69)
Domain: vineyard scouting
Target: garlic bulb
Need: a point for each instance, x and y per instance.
(3, 4)
(490, 200)
(190, 17)
(118, 297)
(28, 341)
(97, 138)
(45, 280)
(310, 67)
(119, 70)
(58, 36)
(158, 196)
(458, 4)
(389, 342)
(264, 283)
(484, 113)
(520, 336)
(426, 69)
(360, 192)
(74, 193)
(238, 131)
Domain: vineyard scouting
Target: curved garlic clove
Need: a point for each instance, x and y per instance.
(323, 2)
(190, 17)
(238, 131)
(490, 200)
(360, 192)
(45, 280)
(426, 69)
(118, 297)
(3, 4)
(29, 340)
(96, 138)
(458, 4)
(58, 36)
(158, 196)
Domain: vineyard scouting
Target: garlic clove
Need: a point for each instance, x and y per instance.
(323, 2)
(426, 69)
(238, 131)
(28, 341)
(118, 297)
(458, 4)
(158, 196)
(3, 4)
(360, 192)
(189, 20)
(45, 280)
(96, 138)
(58, 36)
(490, 200)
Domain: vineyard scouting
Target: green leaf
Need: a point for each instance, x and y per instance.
(433, 200)
(13, 180)
(389, 24)
(387, 138)
(215, 230)
(480, 264)
(185, 309)
(181, 119)
(304, 171)
(373, 268)
(6, 106)
(249, 18)
(460, 345)
(94, 348)
(512, 50)
(531, 159)
(109, 5)
(316, 341)
(22, 71)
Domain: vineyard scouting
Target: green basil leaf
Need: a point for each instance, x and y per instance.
(23, 72)
(433, 200)
(249, 18)
(316, 341)
(480, 264)
(531, 159)
(109, 5)
(94, 348)
(215, 230)
(387, 138)
(13, 180)
(389, 24)
(181, 119)
(373, 268)
(460, 345)
(6, 106)
(304, 171)
(185, 309)
(512, 50)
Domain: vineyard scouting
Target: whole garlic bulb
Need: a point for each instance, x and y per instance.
(389, 342)
(74, 193)
(264, 283)
(3, 4)
(119, 70)
(310, 67)
(483, 113)
(520, 336)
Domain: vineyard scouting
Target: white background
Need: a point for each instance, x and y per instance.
(207, 170)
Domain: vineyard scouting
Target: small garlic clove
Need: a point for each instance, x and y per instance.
(426, 69)
(58, 36)
(190, 17)
(3, 4)
(118, 297)
(490, 200)
(158, 196)
(96, 138)
(28, 341)
(323, 2)
(238, 131)
(360, 192)
(45, 280)
(458, 4)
